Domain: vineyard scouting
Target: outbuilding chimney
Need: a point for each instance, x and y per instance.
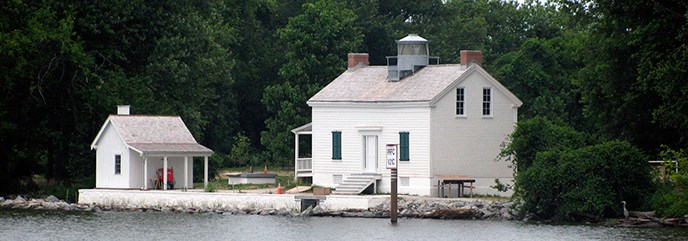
(469, 57)
(123, 110)
(356, 60)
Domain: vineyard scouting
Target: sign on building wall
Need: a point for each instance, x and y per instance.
(392, 156)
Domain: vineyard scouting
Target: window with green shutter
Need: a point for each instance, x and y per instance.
(336, 145)
(404, 146)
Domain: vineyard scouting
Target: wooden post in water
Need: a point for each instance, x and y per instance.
(393, 205)
(392, 164)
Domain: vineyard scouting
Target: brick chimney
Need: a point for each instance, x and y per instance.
(469, 57)
(123, 110)
(356, 60)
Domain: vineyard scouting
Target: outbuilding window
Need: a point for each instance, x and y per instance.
(118, 164)
(336, 145)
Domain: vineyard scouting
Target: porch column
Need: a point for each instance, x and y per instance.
(186, 172)
(296, 157)
(164, 173)
(205, 172)
(145, 173)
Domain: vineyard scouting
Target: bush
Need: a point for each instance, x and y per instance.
(588, 181)
(210, 187)
(671, 199)
(537, 135)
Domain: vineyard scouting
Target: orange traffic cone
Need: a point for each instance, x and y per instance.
(279, 188)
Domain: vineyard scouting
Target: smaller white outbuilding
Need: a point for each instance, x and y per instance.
(131, 149)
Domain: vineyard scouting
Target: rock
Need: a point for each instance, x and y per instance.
(52, 199)
(50, 206)
(671, 221)
(307, 212)
(264, 212)
(487, 214)
(19, 200)
(318, 210)
(351, 214)
(2, 199)
(98, 210)
(282, 212)
(6, 203)
(166, 210)
(368, 214)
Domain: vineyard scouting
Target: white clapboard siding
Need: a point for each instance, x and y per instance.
(110, 145)
(354, 122)
(469, 145)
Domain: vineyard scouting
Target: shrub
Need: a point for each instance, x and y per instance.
(671, 199)
(588, 181)
(210, 187)
(537, 135)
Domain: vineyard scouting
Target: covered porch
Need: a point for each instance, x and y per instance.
(303, 163)
(161, 157)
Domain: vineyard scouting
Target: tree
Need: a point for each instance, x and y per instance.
(633, 82)
(317, 42)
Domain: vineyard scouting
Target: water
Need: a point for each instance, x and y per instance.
(41, 225)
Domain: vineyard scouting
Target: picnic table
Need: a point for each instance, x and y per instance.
(446, 181)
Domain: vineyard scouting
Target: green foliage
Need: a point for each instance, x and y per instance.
(541, 73)
(240, 154)
(317, 41)
(591, 180)
(537, 135)
(671, 197)
(502, 187)
(210, 187)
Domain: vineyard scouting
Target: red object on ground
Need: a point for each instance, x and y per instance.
(279, 188)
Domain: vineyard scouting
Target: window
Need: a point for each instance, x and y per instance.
(487, 97)
(459, 102)
(336, 145)
(404, 181)
(118, 164)
(403, 146)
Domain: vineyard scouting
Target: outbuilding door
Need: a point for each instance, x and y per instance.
(370, 154)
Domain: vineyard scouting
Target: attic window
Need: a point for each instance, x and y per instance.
(460, 111)
(487, 101)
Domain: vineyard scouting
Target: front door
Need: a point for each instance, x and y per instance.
(370, 154)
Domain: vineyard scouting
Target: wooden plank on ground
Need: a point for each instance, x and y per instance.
(298, 189)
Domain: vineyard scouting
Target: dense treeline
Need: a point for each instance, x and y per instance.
(239, 72)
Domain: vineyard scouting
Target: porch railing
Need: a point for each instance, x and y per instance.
(304, 165)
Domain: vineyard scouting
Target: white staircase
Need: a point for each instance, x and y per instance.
(356, 183)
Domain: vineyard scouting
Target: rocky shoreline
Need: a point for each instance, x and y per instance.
(467, 209)
(412, 208)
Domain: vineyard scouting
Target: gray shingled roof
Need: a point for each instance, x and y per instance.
(369, 84)
(155, 134)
